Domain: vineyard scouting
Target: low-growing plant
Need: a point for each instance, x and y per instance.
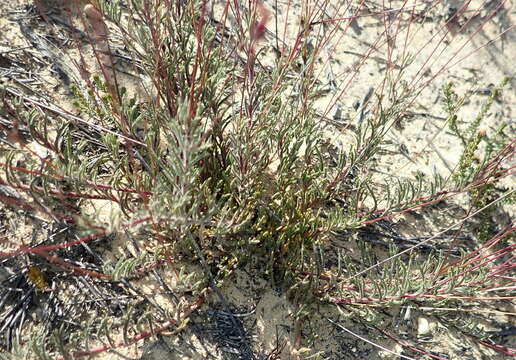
(221, 159)
(483, 159)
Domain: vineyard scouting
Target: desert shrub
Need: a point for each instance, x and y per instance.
(223, 158)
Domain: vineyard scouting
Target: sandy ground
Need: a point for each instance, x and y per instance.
(420, 143)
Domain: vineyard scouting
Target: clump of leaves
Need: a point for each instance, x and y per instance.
(484, 151)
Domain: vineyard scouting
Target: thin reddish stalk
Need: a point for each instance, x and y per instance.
(506, 350)
(30, 250)
(24, 205)
(59, 177)
(429, 239)
(70, 267)
(146, 334)
(388, 299)
(60, 193)
(405, 344)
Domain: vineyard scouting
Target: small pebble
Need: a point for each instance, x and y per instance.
(423, 326)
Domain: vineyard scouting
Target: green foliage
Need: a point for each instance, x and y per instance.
(472, 164)
(483, 152)
(224, 162)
